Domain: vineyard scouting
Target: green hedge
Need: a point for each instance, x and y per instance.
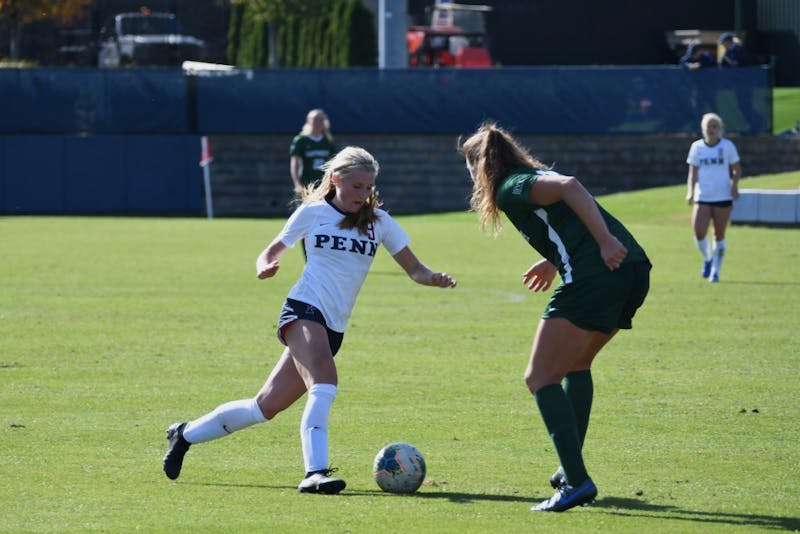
(342, 34)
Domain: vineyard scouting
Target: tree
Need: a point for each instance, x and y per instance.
(323, 33)
(275, 13)
(20, 13)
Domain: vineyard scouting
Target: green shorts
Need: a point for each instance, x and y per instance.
(603, 302)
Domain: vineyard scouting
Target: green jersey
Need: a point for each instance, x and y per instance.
(556, 232)
(313, 152)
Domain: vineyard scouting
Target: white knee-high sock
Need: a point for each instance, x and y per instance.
(225, 419)
(718, 256)
(705, 250)
(314, 426)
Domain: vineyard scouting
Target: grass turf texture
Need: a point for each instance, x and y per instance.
(785, 108)
(113, 328)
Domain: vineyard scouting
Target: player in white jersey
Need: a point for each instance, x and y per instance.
(712, 186)
(343, 228)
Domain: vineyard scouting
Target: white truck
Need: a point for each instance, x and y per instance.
(146, 39)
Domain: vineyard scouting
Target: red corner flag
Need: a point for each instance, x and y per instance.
(205, 152)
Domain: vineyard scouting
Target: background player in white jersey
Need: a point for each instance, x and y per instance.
(343, 227)
(712, 186)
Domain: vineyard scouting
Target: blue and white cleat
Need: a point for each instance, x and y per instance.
(567, 497)
(706, 272)
(714, 278)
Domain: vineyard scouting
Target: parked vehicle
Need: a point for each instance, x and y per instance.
(456, 37)
(147, 38)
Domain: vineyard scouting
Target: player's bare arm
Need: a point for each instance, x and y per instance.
(267, 262)
(736, 173)
(419, 272)
(295, 170)
(551, 188)
(691, 181)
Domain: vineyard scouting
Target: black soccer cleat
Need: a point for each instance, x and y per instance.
(567, 497)
(321, 482)
(178, 446)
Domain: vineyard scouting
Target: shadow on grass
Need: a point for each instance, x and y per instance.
(758, 283)
(638, 508)
(617, 506)
(448, 495)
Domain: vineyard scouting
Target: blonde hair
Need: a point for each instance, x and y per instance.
(708, 117)
(492, 153)
(307, 126)
(347, 160)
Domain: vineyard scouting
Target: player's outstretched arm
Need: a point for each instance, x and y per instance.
(418, 272)
(267, 262)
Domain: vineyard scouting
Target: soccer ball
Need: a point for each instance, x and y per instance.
(399, 468)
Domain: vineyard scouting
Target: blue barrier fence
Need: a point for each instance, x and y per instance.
(540, 100)
(127, 141)
(92, 101)
(100, 174)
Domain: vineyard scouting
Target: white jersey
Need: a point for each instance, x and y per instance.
(337, 260)
(713, 169)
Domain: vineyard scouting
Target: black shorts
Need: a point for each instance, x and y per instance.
(294, 310)
(717, 204)
(604, 302)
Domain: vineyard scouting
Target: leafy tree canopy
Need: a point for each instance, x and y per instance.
(26, 11)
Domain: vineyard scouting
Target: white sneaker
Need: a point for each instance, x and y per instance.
(321, 482)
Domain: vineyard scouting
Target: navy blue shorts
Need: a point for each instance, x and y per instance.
(294, 310)
(717, 204)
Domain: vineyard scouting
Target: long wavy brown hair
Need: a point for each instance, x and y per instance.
(347, 160)
(491, 154)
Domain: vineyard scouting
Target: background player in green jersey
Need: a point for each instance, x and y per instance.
(605, 278)
(310, 149)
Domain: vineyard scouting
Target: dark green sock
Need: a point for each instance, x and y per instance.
(559, 418)
(579, 388)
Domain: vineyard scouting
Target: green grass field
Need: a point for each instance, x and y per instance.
(113, 328)
(785, 108)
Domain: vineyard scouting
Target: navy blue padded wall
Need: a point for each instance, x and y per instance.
(33, 174)
(100, 174)
(94, 174)
(158, 181)
(92, 101)
(541, 101)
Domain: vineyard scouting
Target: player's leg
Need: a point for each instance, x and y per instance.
(558, 348)
(701, 216)
(579, 388)
(720, 215)
(313, 358)
(282, 388)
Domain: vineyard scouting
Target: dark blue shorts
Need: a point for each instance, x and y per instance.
(294, 310)
(717, 204)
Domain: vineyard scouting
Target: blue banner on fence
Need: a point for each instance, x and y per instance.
(92, 101)
(536, 100)
(542, 100)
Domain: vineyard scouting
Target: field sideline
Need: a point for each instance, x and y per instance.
(113, 328)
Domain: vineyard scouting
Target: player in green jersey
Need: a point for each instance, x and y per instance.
(310, 149)
(604, 279)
